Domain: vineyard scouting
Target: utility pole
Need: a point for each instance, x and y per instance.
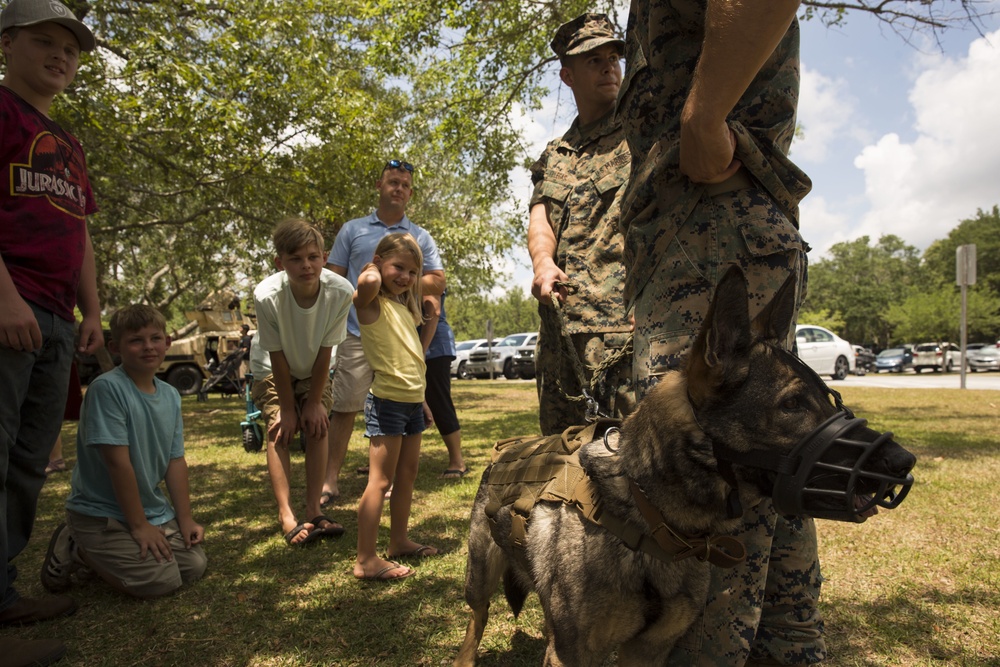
(965, 275)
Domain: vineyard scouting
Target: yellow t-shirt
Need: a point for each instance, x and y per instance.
(393, 350)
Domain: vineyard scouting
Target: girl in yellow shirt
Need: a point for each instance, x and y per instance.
(387, 301)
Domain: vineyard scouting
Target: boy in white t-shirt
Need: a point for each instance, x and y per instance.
(301, 315)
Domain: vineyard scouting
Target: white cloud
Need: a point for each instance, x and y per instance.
(821, 226)
(827, 112)
(921, 189)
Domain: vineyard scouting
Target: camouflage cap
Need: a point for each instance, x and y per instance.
(585, 33)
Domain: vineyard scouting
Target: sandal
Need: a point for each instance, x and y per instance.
(327, 499)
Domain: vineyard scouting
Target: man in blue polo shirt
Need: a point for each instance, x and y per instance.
(353, 248)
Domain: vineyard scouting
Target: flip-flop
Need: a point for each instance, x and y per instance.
(423, 551)
(456, 473)
(293, 533)
(327, 499)
(333, 529)
(381, 574)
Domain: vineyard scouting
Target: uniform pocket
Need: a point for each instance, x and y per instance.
(556, 191)
(770, 233)
(611, 182)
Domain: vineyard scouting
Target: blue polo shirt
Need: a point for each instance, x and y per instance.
(355, 246)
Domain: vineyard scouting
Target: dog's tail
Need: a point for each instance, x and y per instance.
(514, 590)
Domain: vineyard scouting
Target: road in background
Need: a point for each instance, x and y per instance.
(925, 380)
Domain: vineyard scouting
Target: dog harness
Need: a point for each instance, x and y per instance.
(530, 469)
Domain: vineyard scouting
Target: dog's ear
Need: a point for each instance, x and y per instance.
(775, 320)
(724, 335)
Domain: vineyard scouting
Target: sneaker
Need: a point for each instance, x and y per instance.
(58, 566)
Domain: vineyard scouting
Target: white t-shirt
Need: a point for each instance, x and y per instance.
(298, 332)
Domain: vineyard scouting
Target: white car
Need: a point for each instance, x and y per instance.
(462, 351)
(824, 351)
(499, 360)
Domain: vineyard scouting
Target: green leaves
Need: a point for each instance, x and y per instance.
(208, 121)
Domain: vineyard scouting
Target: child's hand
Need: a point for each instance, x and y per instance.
(192, 532)
(315, 420)
(283, 427)
(428, 415)
(151, 539)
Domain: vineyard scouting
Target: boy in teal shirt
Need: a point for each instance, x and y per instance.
(119, 523)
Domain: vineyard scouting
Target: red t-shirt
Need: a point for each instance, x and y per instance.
(45, 197)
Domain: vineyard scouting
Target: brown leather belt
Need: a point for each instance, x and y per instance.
(739, 181)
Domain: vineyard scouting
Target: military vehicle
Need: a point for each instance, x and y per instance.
(216, 330)
(212, 333)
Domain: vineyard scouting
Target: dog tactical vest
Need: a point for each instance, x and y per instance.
(528, 469)
(531, 469)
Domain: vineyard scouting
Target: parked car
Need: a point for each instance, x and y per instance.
(524, 359)
(462, 351)
(974, 346)
(864, 360)
(500, 358)
(824, 351)
(984, 359)
(894, 360)
(936, 356)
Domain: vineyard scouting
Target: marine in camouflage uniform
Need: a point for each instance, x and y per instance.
(685, 60)
(575, 203)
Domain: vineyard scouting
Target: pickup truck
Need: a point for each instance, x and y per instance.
(936, 356)
(500, 359)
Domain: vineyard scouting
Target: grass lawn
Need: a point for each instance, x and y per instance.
(919, 586)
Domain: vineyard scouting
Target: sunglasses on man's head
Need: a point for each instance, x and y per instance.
(398, 164)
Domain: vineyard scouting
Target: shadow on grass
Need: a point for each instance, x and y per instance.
(909, 619)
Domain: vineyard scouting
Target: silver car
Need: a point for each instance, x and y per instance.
(984, 359)
(461, 360)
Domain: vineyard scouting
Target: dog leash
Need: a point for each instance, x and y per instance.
(597, 385)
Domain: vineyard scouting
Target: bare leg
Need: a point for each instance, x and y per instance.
(453, 441)
(338, 437)
(316, 468)
(383, 454)
(56, 463)
(402, 498)
(278, 469)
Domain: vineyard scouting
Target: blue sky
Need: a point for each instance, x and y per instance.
(898, 138)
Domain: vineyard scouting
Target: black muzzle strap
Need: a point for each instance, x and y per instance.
(783, 464)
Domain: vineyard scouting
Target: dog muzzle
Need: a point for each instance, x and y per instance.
(836, 472)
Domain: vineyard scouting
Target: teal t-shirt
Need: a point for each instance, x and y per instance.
(116, 413)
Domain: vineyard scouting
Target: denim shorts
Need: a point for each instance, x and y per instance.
(386, 417)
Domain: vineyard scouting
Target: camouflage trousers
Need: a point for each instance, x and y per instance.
(559, 390)
(764, 611)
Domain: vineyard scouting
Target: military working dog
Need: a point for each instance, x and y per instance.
(606, 551)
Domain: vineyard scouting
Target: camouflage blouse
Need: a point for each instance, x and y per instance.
(580, 177)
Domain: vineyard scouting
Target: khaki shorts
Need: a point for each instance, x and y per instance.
(265, 396)
(353, 376)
